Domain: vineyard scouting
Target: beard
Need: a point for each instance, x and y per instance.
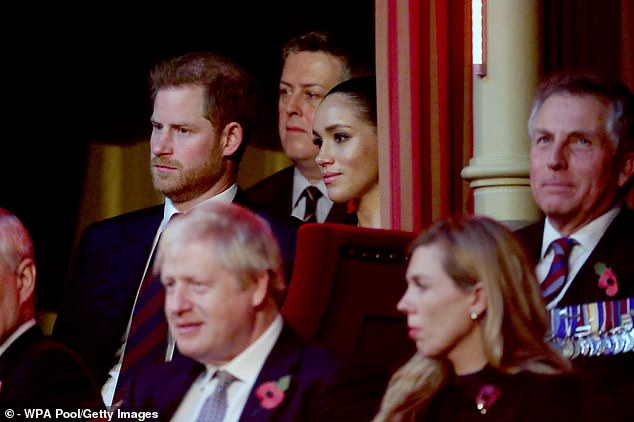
(186, 184)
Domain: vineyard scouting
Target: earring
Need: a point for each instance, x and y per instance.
(474, 315)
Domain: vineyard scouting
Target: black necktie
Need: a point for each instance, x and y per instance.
(312, 194)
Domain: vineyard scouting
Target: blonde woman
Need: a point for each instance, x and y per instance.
(475, 311)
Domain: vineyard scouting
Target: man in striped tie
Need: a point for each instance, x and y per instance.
(204, 111)
(581, 128)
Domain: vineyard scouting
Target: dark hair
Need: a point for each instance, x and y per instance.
(620, 124)
(231, 92)
(361, 90)
(328, 43)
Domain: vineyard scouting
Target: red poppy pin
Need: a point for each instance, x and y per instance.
(351, 206)
(271, 393)
(607, 279)
(486, 397)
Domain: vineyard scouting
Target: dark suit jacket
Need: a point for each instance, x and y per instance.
(39, 373)
(275, 194)
(105, 276)
(608, 380)
(322, 387)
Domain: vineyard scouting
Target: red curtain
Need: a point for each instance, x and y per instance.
(425, 89)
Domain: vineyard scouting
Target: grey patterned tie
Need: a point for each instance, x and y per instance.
(215, 406)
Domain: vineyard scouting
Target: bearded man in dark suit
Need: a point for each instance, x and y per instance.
(204, 111)
(581, 164)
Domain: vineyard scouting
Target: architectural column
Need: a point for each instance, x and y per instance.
(499, 170)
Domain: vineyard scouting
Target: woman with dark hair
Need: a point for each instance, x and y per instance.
(344, 129)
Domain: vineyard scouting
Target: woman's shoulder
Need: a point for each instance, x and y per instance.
(557, 395)
(549, 381)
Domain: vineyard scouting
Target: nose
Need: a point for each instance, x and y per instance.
(557, 156)
(291, 103)
(403, 303)
(177, 300)
(160, 142)
(324, 157)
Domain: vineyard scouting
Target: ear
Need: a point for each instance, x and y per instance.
(231, 138)
(627, 168)
(25, 279)
(261, 289)
(479, 302)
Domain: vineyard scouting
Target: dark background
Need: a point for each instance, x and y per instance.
(76, 76)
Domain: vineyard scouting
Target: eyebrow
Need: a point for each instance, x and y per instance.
(303, 85)
(337, 126)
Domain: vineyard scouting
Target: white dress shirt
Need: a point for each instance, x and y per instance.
(245, 367)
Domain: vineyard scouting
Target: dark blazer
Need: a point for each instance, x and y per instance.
(39, 373)
(275, 194)
(608, 380)
(105, 275)
(322, 387)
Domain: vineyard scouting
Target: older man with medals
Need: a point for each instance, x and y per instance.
(581, 164)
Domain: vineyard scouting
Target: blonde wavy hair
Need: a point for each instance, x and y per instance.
(478, 249)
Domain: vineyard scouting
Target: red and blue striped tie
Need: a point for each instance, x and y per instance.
(558, 272)
(147, 338)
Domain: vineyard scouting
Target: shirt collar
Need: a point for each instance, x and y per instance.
(300, 182)
(247, 365)
(16, 334)
(587, 236)
(226, 196)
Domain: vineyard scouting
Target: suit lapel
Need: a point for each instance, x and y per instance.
(281, 362)
(615, 251)
(181, 376)
(18, 348)
(531, 238)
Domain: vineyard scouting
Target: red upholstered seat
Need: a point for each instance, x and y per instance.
(344, 289)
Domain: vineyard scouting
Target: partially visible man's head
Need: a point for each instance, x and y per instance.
(205, 110)
(222, 271)
(313, 63)
(582, 147)
(17, 274)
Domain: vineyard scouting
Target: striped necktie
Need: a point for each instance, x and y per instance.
(558, 272)
(147, 338)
